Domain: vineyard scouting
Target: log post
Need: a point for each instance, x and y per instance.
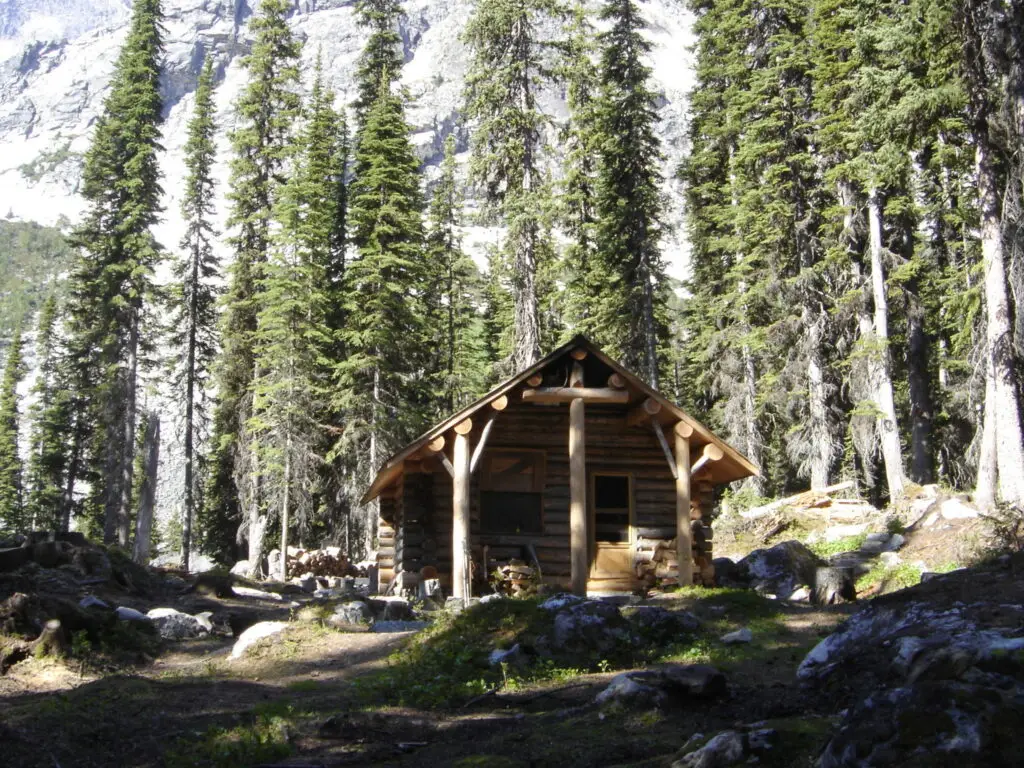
(461, 586)
(684, 533)
(579, 543)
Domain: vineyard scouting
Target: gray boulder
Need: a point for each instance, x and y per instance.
(727, 748)
(658, 625)
(589, 626)
(175, 625)
(254, 634)
(354, 616)
(659, 686)
(964, 723)
(740, 636)
(130, 614)
(780, 570)
(91, 601)
(391, 609)
(513, 656)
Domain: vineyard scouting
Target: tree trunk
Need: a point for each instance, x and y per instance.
(67, 501)
(190, 391)
(124, 510)
(822, 450)
(147, 494)
(1002, 422)
(753, 432)
(922, 467)
(285, 505)
(888, 427)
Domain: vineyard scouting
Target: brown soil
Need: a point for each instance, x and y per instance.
(54, 715)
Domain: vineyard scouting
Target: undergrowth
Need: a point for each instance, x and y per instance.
(825, 549)
(264, 737)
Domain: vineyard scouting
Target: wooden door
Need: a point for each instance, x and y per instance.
(611, 525)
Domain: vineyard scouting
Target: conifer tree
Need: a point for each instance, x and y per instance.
(577, 201)
(513, 59)
(381, 384)
(49, 417)
(11, 480)
(452, 293)
(194, 309)
(267, 110)
(294, 343)
(380, 62)
(112, 281)
(631, 304)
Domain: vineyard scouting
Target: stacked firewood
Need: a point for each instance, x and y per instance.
(515, 579)
(656, 563)
(320, 562)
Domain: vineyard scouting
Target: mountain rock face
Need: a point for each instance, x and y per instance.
(58, 56)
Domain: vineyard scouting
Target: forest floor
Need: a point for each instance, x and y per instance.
(318, 697)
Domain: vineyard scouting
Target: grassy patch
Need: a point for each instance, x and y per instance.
(263, 738)
(825, 549)
(889, 579)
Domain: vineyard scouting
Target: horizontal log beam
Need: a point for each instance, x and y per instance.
(616, 381)
(500, 404)
(643, 412)
(711, 453)
(568, 394)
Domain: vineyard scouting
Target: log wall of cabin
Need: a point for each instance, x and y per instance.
(425, 498)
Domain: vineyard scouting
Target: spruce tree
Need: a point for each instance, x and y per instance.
(513, 58)
(630, 307)
(11, 481)
(194, 309)
(294, 342)
(381, 388)
(452, 294)
(578, 192)
(112, 281)
(261, 143)
(380, 62)
(50, 417)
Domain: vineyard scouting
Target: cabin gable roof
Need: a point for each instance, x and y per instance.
(732, 466)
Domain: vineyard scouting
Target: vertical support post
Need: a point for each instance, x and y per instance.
(579, 540)
(684, 533)
(460, 515)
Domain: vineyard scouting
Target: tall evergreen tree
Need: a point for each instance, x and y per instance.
(452, 293)
(631, 304)
(381, 387)
(261, 142)
(49, 417)
(294, 342)
(11, 480)
(380, 62)
(513, 59)
(578, 192)
(195, 296)
(112, 281)
(992, 35)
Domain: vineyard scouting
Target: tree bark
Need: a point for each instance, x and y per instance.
(922, 465)
(147, 494)
(285, 505)
(1002, 420)
(820, 432)
(888, 427)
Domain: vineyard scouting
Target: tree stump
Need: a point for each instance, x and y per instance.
(834, 585)
(52, 641)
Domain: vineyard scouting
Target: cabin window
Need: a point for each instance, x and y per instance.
(611, 508)
(511, 499)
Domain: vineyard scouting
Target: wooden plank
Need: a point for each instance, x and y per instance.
(684, 534)
(578, 497)
(660, 434)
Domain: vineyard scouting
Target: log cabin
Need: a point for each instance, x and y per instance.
(574, 466)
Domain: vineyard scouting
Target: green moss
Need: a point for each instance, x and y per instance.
(889, 579)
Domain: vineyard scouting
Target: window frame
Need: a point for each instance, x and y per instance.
(485, 484)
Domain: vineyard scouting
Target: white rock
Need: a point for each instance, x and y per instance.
(258, 594)
(742, 635)
(254, 634)
(895, 542)
(954, 509)
(890, 559)
(837, 532)
(130, 614)
(241, 568)
(160, 613)
(175, 625)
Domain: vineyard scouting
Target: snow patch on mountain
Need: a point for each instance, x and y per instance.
(58, 56)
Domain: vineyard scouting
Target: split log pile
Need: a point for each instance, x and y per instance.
(321, 562)
(656, 564)
(515, 579)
